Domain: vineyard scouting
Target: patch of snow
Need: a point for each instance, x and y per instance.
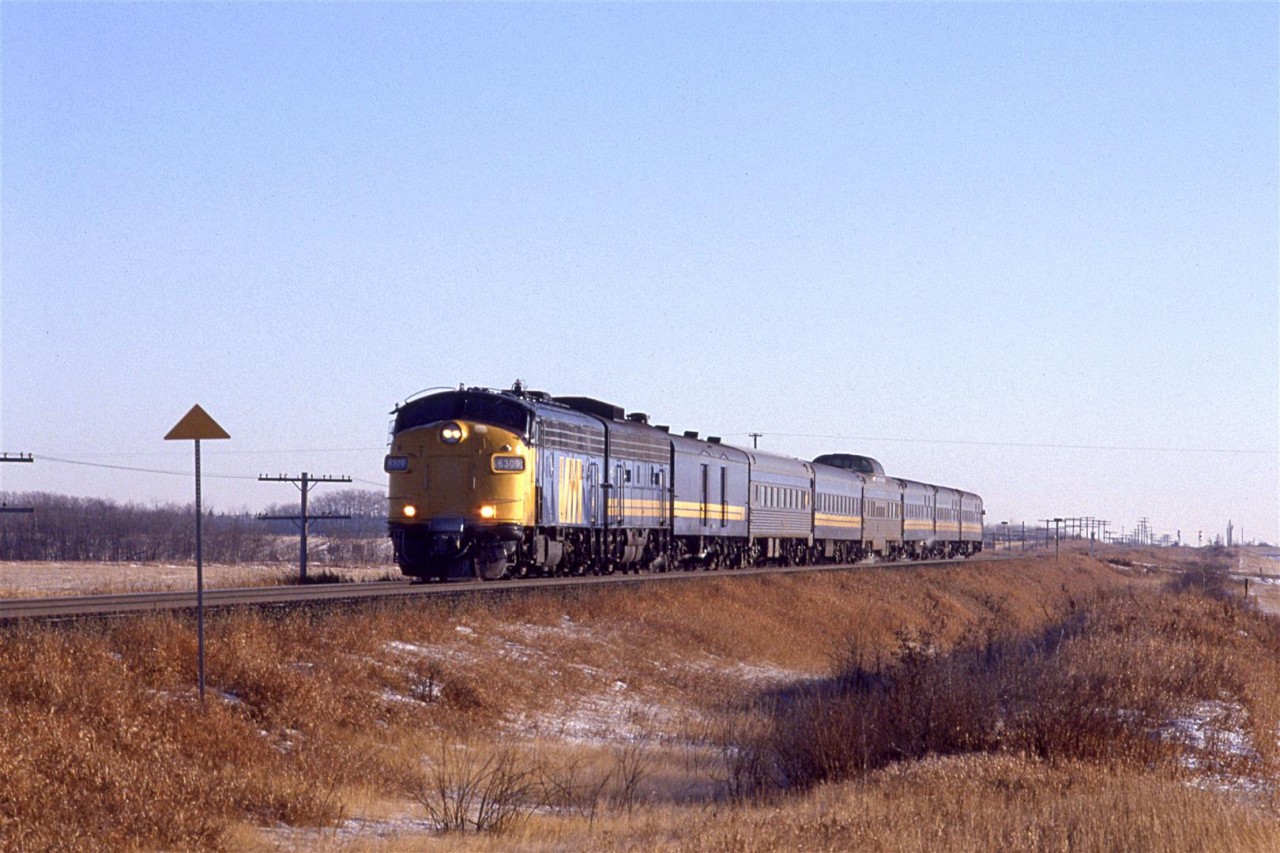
(463, 629)
(1221, 750)
(283, 741)
(423, 694)
(752, 673)
(354, 828)
(456, 654)
(566, 628)
(607, 718)
(351, 830)
(766, 674)
(1214, 726)
(515, 651)
(407, 648)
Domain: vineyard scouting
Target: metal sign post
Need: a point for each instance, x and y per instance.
(194, 426)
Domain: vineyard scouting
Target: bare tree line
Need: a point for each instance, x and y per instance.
(72, 529)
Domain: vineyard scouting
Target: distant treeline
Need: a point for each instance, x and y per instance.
(70, 529)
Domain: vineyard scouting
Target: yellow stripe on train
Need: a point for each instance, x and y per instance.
(825, 520)
(635, 506)
(694, 509)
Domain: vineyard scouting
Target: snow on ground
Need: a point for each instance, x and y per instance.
(754, 675)
(354, 831)
(1222, 753)
(612, 711)
(604, 718)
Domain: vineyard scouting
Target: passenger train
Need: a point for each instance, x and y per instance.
(495, 484)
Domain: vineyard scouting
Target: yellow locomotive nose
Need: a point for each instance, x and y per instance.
(462, 470)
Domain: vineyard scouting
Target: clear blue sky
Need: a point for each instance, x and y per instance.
(1051, 230)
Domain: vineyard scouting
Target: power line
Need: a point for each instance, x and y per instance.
(139, 470)
(1022, 444)
(170, 454)
(86, 464)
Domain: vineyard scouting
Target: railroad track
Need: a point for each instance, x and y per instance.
(91, 606)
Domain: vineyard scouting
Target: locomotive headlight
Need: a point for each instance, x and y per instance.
(451, 433)
(488, 511)
(410, 510)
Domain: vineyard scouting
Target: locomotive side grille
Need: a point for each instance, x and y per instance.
(572, 437)
(628, 447)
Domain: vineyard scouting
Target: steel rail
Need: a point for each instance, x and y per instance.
(87, 606)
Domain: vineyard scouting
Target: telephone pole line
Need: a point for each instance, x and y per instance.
(305, 484)
(21, 457)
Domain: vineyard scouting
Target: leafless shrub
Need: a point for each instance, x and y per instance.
(1209, 576)
(471, 786)
(747, 764)
(574, 784)
(1100, 685)
(632, 765)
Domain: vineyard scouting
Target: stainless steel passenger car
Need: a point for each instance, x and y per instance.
(837, 517)
(781, 521)
(709, 503)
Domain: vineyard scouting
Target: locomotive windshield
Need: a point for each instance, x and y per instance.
(464, 405)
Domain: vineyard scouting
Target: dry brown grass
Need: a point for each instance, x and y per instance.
(1101, 684)
(52, 579)
(965, 803)
(624, 714)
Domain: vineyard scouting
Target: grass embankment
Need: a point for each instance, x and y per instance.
(1030, 704)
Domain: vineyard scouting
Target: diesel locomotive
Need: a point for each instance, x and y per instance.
(494, 484)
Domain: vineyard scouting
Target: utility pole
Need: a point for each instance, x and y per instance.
(1058, 527)
(21, 457)
(305, 484)
(755, 440)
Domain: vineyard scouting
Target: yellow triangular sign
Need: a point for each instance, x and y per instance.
(195, 425)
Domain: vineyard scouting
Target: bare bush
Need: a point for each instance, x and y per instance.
(575, 784)
(632, 765)
(471, 786)
(1100, 685)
